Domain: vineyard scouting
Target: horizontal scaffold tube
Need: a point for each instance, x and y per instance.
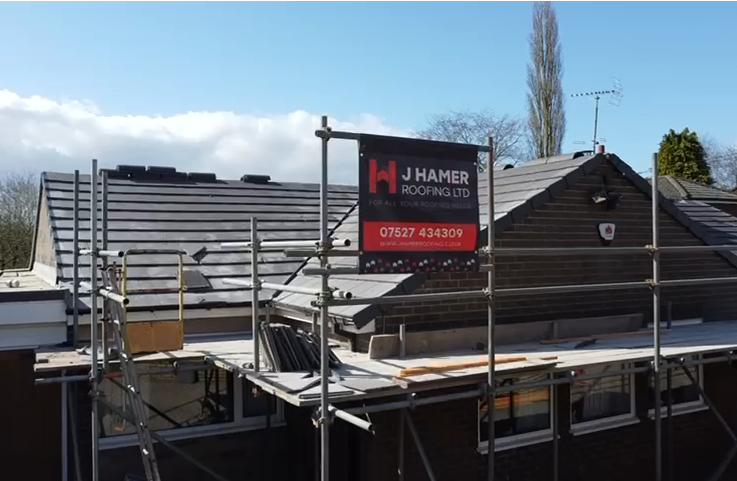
(107, 294)
(270, 245)
(286, 288)
(102, 253)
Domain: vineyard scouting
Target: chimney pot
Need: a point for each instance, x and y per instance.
(601, 149)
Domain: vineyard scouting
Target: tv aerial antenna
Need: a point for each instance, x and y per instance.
(614, 94)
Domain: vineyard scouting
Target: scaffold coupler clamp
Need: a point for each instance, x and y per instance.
(324, 133)
(318, 419)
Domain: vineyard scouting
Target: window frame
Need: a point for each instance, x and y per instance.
(518, 440)
(610, 422)
(687, 407)
(239, 423)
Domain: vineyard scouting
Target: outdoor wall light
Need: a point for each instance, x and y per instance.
(605, 196)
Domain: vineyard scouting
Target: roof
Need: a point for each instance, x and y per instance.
(176, 212)
(25, 286)
(517, 191)
(677, 188)
(362, 378)
(717, 227)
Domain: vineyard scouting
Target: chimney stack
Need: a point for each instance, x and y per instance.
(600, 149)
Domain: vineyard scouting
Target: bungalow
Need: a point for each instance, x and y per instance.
(556, 421)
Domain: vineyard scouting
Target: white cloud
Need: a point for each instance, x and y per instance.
(43, 134)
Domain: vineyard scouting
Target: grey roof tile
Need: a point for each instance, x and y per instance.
(677, 188)
(188, 215)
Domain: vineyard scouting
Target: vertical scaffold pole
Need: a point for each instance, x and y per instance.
(491, 278)
(105, 309)
(656, 319)
(255, 311)
(93, 321)
(324, 359)
(75, 264)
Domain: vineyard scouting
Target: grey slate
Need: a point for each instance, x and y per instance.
(187, 215)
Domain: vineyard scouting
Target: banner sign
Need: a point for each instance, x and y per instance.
(418, 208)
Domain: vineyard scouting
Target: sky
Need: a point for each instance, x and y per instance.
(237, 88)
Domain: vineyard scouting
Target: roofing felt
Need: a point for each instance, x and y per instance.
(677, 188)
(177, 213)
(517, 191)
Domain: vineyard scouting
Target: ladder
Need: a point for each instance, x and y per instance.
(130, 378)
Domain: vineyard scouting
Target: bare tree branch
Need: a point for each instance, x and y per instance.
(546, 121)
(474, 127)
(18, 204)
(723, 162)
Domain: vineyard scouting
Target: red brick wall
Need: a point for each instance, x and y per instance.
(571, 220)
(448, 432)
(30, 417)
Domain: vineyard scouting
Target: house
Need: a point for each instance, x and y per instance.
(677, 188)
(32, 315)
(604, 428)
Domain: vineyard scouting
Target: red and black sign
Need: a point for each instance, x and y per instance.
(418, 206)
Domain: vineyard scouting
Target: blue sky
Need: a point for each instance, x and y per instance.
(399, 61)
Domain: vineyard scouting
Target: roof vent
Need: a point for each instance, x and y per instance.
(202, 176)
(256, 179)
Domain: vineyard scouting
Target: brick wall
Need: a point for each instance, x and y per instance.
(448, 432)
(30, 417)
(571, 220)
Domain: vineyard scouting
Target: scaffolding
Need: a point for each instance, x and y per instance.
(326, 247)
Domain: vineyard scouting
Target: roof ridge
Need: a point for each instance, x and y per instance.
(675, 182)
(715, 187)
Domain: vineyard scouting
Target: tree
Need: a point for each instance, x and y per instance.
(474, 128)
(546, 122)
(18, 204)
(723, 162)
(682, 155)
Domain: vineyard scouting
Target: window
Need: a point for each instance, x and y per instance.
(187, 404)
(685, 397)
(521, 417)
(603, 402)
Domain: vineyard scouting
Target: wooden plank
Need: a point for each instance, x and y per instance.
(439, 368)
(149, 337)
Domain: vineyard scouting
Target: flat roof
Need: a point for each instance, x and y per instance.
(25, 286)
(364, 378)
